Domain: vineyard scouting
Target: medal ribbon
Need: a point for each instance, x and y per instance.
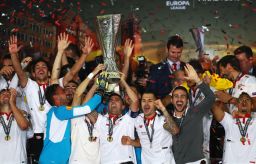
(191, 102)
(242, 130)
(90, 128)
(150, 136)
(110, 127)
(7, 128)
(41, 96)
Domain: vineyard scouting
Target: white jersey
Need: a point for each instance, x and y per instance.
(82, 150)
(38, 117)
(14, 150)
(234, 150)
(114, 152)
(160, 150)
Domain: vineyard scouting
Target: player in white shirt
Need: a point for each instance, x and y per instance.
(13, 126)
(155, 131)
(84, 135)
(230, 68)
(116, 128)
(240, 132)
(34, 90)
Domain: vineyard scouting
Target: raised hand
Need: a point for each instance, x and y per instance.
(63, 41)
(191, 74)
(88, 45)
(128, 48)
(25, 62)
(13, 46)
(6, 70)
(159, 105)
(99, 68)
(13, 93)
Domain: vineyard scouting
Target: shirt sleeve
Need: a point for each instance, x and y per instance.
(68, 112)
(226, 121)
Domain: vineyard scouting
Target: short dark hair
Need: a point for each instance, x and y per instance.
(6, 56)
(74, 48)
(180, 88)
(149, 92)
(37, 61)
(175, 41)
(50, 92)
(244, 49)
(116, 94)
(229, 59)
(196, 65)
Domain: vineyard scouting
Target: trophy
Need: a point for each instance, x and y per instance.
(108, 26)
(198, 35)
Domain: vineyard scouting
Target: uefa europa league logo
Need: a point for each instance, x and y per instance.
(108, 26)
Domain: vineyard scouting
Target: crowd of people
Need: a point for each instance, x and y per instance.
(61, 114)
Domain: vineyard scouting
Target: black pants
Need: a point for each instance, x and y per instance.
(34, 148)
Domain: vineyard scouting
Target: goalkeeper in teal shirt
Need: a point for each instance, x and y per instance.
(57, 142)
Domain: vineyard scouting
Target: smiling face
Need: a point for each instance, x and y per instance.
(174, 53)
(41, 71)
(179, 100)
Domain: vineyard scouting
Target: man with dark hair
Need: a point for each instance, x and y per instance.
(245, 56)
(155, 131)
(229, 68)
(161, 74)
(187, 145)
(13, 126)
(240, 131)
(6, 72)
(57, 143)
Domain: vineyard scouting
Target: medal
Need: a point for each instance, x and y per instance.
(243, 139)
(7, 128)
(110, 139)
(41, 107)
(91, 139)
(7, 138)
(243, 130)
(150, 135)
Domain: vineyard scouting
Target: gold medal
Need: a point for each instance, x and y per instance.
(41, 108)
(91, 139)
(243, 139)
(7, 138)
(110, 139)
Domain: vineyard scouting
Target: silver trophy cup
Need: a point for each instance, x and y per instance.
(108, 26)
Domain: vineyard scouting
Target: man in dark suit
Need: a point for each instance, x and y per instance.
(161, 74)
(245, 56)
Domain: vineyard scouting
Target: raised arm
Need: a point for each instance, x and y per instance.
(88, 45)
(170, 124)
(14, 49)
(134, 106)
(128, 48)
(218, 110)
(22, 122)
(15, 80)
(80, 89)
(62, 45)
(68, 112)
(205, 105)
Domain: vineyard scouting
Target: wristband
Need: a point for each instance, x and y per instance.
(90, 76)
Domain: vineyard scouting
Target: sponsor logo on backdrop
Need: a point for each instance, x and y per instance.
(177, 4)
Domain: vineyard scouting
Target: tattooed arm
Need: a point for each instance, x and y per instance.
(170, 124)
